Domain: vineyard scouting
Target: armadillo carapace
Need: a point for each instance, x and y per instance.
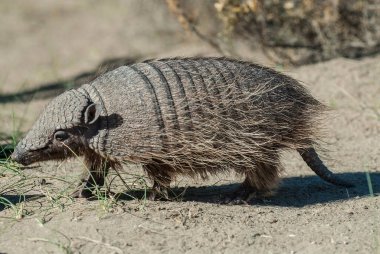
(182, 116)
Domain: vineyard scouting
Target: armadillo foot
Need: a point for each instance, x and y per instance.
(158, 192)
(91, 194)
(89, 185)
(242, 196)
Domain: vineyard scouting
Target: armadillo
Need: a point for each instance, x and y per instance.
(182, 116)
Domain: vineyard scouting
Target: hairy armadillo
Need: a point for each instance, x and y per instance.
(189, 116)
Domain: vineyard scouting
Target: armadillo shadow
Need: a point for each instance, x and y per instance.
(300, 191)
(15, 199)
(53, 89)
(293, 191)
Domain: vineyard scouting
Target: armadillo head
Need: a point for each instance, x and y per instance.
(60, 131)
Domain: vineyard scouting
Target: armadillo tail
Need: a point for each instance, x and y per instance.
(311, 158)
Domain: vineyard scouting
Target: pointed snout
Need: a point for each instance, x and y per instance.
(18, 155)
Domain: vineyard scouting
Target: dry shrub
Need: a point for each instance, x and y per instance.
(291, 31)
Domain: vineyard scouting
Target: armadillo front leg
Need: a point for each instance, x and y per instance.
(92, 179)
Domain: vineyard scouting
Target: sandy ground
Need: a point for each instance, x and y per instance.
(45, 41)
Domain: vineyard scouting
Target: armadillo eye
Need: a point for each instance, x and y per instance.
(61, 135)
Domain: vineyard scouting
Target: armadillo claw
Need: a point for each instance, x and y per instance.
(82, 193)
(242, 196)
(158, 195)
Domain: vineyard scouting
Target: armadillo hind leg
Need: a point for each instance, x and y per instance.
(160, 175)
(312, 159)
(92, 179)
(258, 183)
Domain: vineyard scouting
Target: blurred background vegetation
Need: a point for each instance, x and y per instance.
(288, 31)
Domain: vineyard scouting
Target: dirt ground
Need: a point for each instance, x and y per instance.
(44, 41)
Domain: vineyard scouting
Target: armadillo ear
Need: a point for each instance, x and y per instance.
(92, 113)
